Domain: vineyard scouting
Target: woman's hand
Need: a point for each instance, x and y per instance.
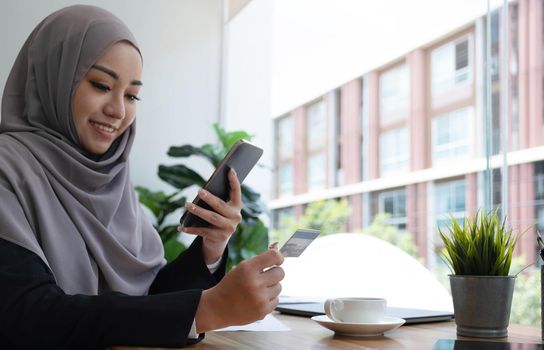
(247, 293)
(224, 219)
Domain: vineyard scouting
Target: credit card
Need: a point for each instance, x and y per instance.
(298, 242)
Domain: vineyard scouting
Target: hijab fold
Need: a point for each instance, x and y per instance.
(77, 212)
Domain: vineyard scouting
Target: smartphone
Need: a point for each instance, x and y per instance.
(451, 344)
(242, 157)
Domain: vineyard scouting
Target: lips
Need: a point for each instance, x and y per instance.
(103, 127)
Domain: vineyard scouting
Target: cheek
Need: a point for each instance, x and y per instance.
(130, 117)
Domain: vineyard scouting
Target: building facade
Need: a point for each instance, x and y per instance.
(409, 138)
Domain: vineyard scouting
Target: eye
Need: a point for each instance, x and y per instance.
(132, 98)
(100, 86)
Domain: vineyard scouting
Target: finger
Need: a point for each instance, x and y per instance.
(215, 219)
(274, 291)
(217, 204)
(199, 231)
(235, 189)
(273, 303)
(213, 235)
(273, 275)
(269, 258)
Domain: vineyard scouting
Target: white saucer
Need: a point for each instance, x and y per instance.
(360, 329)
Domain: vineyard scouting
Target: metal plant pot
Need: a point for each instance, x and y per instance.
(482, 304)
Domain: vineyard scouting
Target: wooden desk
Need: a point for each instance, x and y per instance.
(307, 334)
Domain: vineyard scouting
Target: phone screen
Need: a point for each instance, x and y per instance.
(242, 157)
(452, 344)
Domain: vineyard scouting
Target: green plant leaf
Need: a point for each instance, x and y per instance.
(227, 139)
(185, 151)
(172, 248)
(180, 176)
(251, 236)
(483, 245)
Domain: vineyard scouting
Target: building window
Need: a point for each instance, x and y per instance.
(451, 135)
(394, 151)
(285, 151)
(394, 93)
(283, 218)
(338, 166)
(316, 145)
(449, 201)
(451, 65)
(539, 195)
(394, 204)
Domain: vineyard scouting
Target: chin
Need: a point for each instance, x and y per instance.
(97, 150)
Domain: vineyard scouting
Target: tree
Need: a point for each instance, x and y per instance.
(328, 216)
(379, 228)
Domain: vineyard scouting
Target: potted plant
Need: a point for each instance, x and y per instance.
(251, 236)
(479, 254)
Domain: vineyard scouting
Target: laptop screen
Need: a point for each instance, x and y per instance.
(410, 315)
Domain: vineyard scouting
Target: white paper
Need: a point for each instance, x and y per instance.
(268, 324)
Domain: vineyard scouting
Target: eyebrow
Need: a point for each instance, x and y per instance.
(114, 75)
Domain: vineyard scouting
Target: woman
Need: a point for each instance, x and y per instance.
(80, 265)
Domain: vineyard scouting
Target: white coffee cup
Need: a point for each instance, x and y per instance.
(356, 310)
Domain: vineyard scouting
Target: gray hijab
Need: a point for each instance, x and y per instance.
(78, 213)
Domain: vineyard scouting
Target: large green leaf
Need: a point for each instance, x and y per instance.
(180, 176)
(227, 139)
(250, 239)
(185, 151)
(251, 236)
(172, 248)
(160, 204)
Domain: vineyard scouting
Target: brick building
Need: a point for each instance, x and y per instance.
(409, 138)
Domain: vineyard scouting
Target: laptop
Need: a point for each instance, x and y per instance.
(411, 316)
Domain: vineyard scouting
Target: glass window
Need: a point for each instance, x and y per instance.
(282, 217)
(317, 126)
(394, 151)
(286, 137)
(286, 179)
(316, 145)
(539, 195)
(316, 171)
(450, 134)
(394, 88)
(285, 152)
(394, 203)
(449, 200)
(451, 65)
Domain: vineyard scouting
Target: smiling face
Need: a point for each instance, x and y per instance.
(104, 102)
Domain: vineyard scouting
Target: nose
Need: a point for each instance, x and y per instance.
(115, 107)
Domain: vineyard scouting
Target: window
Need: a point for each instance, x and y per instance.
(394, 203)
(285, 150)
(539, 195)
(338, 166)
(451, 65)
(394, 92)
(394, 151)
(451, 137)
(282, 217)
(316, 145)
(449, 200)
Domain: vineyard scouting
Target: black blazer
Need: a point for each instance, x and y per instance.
(36, 314)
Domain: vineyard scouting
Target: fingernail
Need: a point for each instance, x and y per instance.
(180, 229)
(189, 206)
(233, 171)
(273, 246)
(202, 192)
